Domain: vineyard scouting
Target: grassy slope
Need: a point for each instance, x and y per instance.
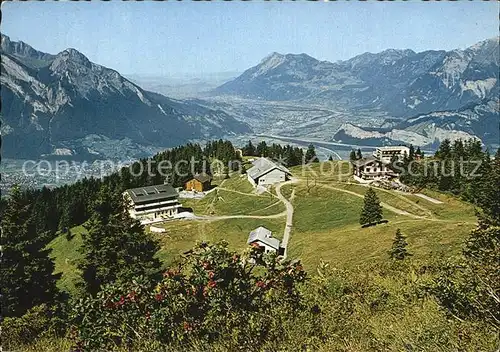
(182, 235)
(326, 227)
(65, 254)
(226, 202)
(222, 202)
(325, 224)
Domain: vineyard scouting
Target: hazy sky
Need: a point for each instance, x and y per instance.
(164, 38)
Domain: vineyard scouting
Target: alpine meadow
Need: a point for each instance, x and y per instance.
(250, 176)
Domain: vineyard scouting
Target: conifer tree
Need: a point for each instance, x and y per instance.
(330, 158)
(411, 155)
(26, 271)
(418, 152)
(65, 221)
(393, 162)
(352, 156)
(262, 149)
(311, 154)
(372, 210)
(249, 149)
(487, 191)
(398, 250)
(359, 155)
(444, 150)
(116, 247)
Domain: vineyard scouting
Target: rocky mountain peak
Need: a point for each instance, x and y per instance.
(270, 62)
(301, 58)
(31, 57)
(273, 56)
(70, 58)
(5, 42)
(385, 57)
(52, 102)
(290, 63)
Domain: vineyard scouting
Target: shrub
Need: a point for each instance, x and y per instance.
(37, 322)
(212, 295)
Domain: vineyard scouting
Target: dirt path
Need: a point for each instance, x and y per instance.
(243, 193)
(289, 214)
(226, 217)
(384, 205)
(432, 200)
(395, 194)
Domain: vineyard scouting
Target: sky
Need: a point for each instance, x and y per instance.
(168, 38)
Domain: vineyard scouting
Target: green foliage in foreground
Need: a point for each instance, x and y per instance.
(217, 300)
(212, 295)
(469, 287)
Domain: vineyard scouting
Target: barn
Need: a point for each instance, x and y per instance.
(263, 238)
(199, 183)
(265, 172)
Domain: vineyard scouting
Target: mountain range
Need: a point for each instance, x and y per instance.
(65, 104)
(429, 95)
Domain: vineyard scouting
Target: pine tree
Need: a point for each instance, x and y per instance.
(444, 150)
(330, 158)
(116, 247)
(262, 149)
(372, 210)
(311, 154)
(398, 250)
(353, 156)
(65, 221)
(418, 152)
(249, 149)
(359, 155)
(411, 155)
(487, 191)
(393, 162)
(26, 276)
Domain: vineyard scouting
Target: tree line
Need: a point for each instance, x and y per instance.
(462, 168)
(289, 155)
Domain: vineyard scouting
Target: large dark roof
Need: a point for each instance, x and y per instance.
(203, 177)
(149, 193)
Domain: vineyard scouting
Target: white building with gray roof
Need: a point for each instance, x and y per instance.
(264, 238)
(265, 172)
(152, 202)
